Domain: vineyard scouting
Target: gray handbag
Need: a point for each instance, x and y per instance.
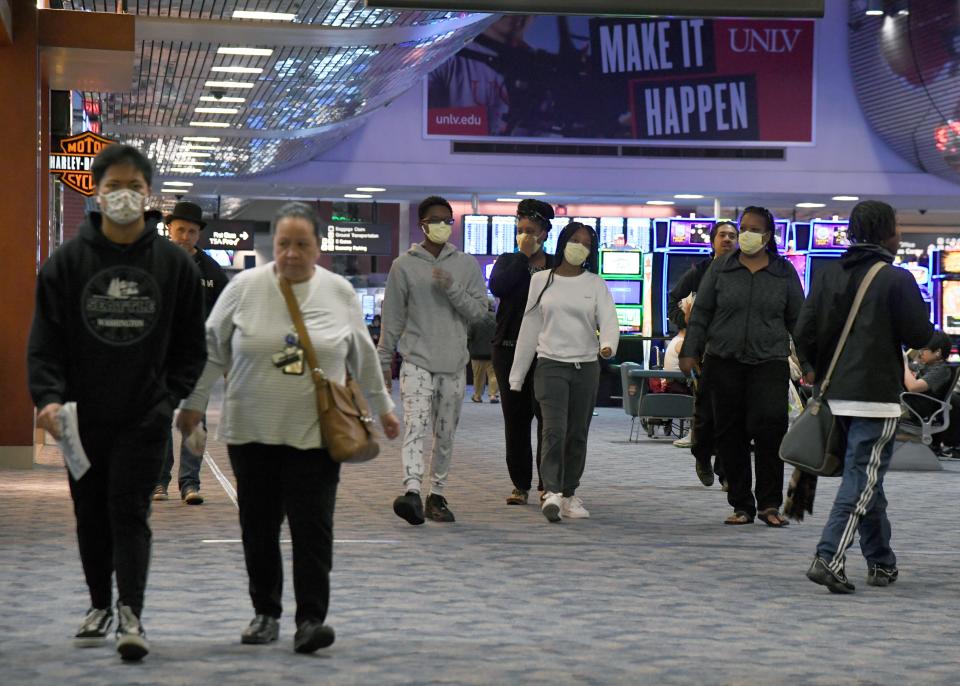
(815, 443)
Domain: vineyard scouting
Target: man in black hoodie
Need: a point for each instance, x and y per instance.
(118, 329)
(184, 225)
(864, 393)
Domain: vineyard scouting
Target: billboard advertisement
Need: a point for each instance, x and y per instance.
(654, 80)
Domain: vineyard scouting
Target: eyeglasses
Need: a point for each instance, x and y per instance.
(536, 216)
(448, 222)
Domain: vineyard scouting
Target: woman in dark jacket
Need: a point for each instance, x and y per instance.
(747, 305)
(510, 281)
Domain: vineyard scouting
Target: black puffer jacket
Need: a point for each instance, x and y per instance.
(743, 316)
(892, 315)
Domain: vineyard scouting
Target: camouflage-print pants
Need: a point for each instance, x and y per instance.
(429, 397)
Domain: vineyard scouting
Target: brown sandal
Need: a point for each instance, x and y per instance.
(772, 518)
(738, 518)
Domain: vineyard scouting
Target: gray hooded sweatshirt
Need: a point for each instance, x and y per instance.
(425, 322)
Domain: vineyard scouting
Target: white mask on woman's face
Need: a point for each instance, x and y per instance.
(576, 254)
(751, 242)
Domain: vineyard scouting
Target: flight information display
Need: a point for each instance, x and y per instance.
(638, 234)
(589, 221)
(476, 237)
(611, 232)
(503, 235)
(556, 226)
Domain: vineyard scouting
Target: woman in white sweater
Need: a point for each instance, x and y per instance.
(568, 304)
(270, 421)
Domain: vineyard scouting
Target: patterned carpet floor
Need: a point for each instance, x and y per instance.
(652, 589)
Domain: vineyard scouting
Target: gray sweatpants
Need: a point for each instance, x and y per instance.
(567, 394)
(429, 398)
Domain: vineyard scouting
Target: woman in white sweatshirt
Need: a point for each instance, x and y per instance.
(568, 304)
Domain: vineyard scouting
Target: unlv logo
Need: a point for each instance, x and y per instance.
(764, 40)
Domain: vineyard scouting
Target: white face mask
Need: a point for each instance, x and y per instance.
(439, 233)
(122, 207)
(522, 237)
(576, 254)
(751, 243)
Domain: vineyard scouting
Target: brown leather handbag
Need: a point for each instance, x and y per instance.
(346, 426)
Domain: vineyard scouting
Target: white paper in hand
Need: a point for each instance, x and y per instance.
(73, 454)
(196, 442)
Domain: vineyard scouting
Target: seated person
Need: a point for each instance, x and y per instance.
(932, 378)
(671, 357)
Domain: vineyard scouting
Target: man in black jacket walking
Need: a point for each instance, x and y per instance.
(184, 225)
(864, 393)
(118, 329)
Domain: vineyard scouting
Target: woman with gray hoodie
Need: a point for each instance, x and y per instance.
(434, 293)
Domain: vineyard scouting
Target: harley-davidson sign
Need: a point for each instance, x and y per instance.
(72, 164)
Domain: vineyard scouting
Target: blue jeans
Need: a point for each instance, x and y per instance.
(189, 465)
(861, 504)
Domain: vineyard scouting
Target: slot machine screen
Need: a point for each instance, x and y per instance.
(503, 235)
(799, 263)
(780, 233)
(951, 307)
(475, 234)
(828, 236)
(678, 265)
(950, 262)
(621, 264)
(638, 234)
(815, 263)
(630, 318)
(626, 292)
(689, 233)
(611, 232)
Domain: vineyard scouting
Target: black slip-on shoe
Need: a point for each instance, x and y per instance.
(262, 629)
(409, 506)
(311, 636)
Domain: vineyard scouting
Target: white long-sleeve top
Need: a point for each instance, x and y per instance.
(249, 324)
(563, 327)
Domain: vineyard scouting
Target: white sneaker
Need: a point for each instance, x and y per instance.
(573, 508)
(684, 442)
(552, 504)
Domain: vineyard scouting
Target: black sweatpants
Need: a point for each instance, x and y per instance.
(112, 506)
(278, 480)
(519, 410)
(749, 404)
(703, 446)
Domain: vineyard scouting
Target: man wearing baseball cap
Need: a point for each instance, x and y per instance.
(184, 225)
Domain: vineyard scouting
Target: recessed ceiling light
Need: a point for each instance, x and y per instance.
(688, 196)
(531, 193)
(237, 70)
(223, 98)
(211, 124)
(358, 196)
(509, 199)
(263, 16)
(202, 139)
(811, 205)
(874, 13)
(216, 110)
(371, 189)
(659, 202)
(178, 183)
(172, 190)
(186, 170)
(846, 198)
(253, 52)
(227, 84)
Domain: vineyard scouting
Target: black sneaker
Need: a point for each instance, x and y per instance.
(881, 576)
(312, 636)
(262, 629)
(820, 573)
(437, 509)
(409, 506)
(94, 628)
(704, 473)
(131, 638)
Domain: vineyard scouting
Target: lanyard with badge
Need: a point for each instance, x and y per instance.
(290, 359)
